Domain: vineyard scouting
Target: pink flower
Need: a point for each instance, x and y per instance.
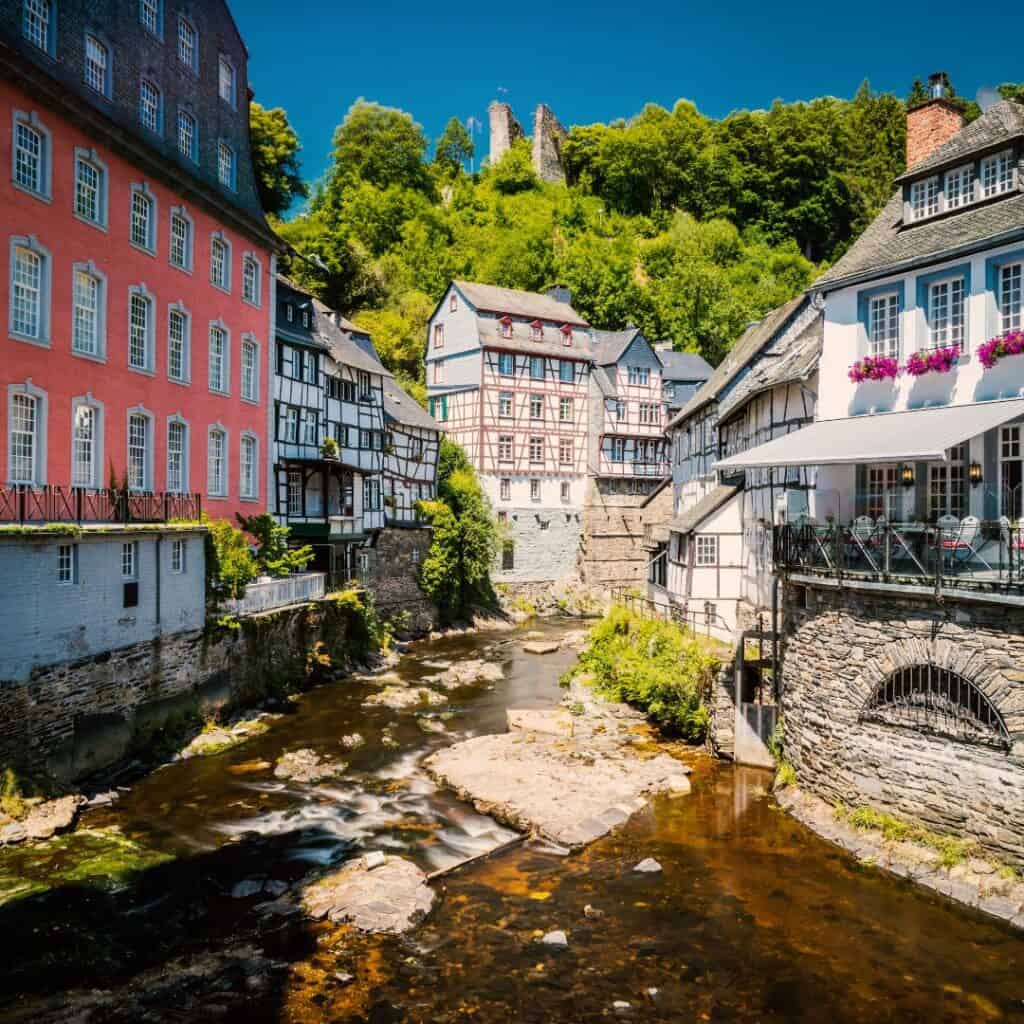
(1009, 344)
(940, 360)
(874, 368)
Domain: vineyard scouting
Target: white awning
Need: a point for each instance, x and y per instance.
(920, 435)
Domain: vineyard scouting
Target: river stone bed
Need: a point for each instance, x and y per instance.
(307, 766)
(976, 883)
(391, 897)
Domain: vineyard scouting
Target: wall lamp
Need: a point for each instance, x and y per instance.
(975, 474)
(907, 475)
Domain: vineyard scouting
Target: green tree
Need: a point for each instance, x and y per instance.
(514, 171)
(454, 147)
(918, 94)
(273, 555)
(230, 566)
(275, 155)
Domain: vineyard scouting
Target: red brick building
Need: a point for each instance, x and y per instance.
(136, 267)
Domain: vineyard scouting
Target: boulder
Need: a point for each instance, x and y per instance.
(400, 697)
(306, 766)
(553, 721)
(648, 866)
(52, 816)
(557, 939)
(352, 741)
(541, 647)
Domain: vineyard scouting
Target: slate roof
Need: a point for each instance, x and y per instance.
(341, 346)
(610, 346)
(403, 409)
(686, 366)
(999, 125)
(489, 331)
(790, 358)
(889, 246)
(753, 339)
(491, 299)
(707, 506)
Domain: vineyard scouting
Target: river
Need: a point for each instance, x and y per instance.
(752, 919)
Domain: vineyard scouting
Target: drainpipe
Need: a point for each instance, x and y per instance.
(775, 637)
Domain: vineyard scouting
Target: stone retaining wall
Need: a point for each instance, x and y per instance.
(393, 566)
(77, 717)
(839, 645)
(721, 740)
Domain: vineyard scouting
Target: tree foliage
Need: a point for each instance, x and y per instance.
(273, 555)
(455, 147)
(230, 566)
(275, 155)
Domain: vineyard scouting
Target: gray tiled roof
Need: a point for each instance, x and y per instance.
(609, 346)
(491, 299)
(684, 366)
(341, 346)
(403, 409)
(792, 357)
(999, 125)
(753, 339)
(707, 506)
(489, 331)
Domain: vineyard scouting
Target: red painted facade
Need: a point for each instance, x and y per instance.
(63, 375)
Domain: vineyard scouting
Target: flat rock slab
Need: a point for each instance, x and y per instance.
(567, 792)
(541, 647)
(43, 821)
(468, 673)
(554, 721)
(393, 897)
(307, 766)
(399, 697)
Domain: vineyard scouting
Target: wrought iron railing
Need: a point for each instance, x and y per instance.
(24, 504)
(969, 554)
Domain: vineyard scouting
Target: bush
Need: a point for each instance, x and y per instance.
(230, 566)
(653, 665)
(273, 555)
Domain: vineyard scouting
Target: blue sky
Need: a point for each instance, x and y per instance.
(599, 62)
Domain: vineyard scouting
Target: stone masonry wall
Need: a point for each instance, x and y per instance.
(548, 137)
(545, 543)
(394, 562)
(505, 130)
(839, 645)
(79, 716)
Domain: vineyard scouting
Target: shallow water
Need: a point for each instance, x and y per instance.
(752, 919)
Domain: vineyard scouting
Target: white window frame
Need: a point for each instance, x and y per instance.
(90, 158)
(66, 564)
(157, 125)
(506, 359)
(102, 44)
(42, 187)
(45, 18)
(565, 446)
(506, 448)
(925, 198)
(225, 381)
(536, 450)
(39, 432)
(186, 47)
(224, 284)
(92, 271)
(186, 344)
(253, 297)
(565, 493)
(1010, 315)
(505, 489)
(217, 488)
(885, 346)
(143, 191)
(187, 119)
(960, 187)
(506, 405)
(142, 413)
(31, 244)
(248, 490)
(705, 550)
(252, 393)
(229, 179)
(536, 407)
(1004, 178)
(224, 61)
(130, 560)
(181, 215)
(534, 489)
(290, 430)
(140, 291)
(565, 412)
(438, 336)
(639, 376)
(92, 479)
(562, 378)
(177, 556)
(954, 326)
(183, 483)
(156, 29)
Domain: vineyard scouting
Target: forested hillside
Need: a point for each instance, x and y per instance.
(687, 226)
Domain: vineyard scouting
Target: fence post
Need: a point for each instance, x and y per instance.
(21, 505)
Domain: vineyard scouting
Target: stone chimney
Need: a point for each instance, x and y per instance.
(505, 129)
(560, 293)
(933, 123)
(548, 135)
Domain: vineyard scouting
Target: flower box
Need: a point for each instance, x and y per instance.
(874, 368)
(1009, 344)
(939, 360)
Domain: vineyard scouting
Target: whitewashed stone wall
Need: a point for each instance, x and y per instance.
(542, 552)
(840, 644)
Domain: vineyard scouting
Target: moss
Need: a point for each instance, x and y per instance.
(951, 851)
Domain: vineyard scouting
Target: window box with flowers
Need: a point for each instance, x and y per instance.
(1009, 344)
(329, 449)
(938, 360)
(874, 368)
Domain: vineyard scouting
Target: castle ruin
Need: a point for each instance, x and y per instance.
(548, 137)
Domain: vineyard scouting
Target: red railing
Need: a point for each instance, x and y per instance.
(22, 503)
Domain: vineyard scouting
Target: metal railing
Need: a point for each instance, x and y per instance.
(279, 593)
(25, 504)
(698, 620)
(970, 554)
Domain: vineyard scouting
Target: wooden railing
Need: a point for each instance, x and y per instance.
(24, 504)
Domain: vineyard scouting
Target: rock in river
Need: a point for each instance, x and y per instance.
(393, 897)
(541, 647)
(44, 820)
(648, 866)
(307, 766)
(557, 939)
(400, 697)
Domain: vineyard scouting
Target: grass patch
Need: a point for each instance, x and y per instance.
(951, 851)
(785, 775)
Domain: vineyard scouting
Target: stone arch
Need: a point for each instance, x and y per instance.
(979, 669)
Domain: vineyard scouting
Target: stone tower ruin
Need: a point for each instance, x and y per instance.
(548, 136)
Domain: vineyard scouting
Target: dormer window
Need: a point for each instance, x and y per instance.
(996, 174)
(924, 198)
(566, 335)
(506, 327)
(959, 187)
(536, 331)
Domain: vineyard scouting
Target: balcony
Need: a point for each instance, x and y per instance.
(23, 504)
(981, 557)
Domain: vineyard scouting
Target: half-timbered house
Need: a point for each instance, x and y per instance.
(508, 378)
(682, 375)
(717, 547)
(411, 446)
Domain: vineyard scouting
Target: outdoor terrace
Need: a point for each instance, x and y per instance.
(23, 504)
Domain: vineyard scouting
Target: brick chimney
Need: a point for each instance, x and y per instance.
(932, 123)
